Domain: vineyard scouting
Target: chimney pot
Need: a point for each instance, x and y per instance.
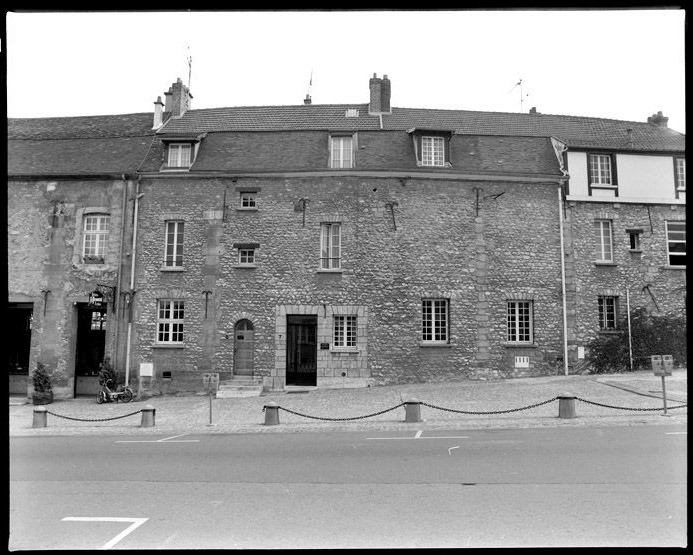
(307, 99)
(178, 99)
(158, 116)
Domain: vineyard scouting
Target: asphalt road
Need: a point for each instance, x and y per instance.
(620, 486)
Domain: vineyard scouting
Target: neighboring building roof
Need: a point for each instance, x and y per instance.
(576, 131)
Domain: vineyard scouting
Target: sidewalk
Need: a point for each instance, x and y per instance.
(191, 413)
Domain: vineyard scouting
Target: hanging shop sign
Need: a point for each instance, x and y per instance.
(96, 299)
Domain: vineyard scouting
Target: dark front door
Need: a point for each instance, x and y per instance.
(18, 336)
(91, 344)
(301, 350)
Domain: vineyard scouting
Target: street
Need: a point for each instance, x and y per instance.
(578, 486)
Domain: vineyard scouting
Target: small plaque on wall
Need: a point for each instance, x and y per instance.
(146, 369)
(324, 346)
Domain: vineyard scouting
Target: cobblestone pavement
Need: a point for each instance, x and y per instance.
(621, 399)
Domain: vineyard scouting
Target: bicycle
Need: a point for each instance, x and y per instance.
(106, 395)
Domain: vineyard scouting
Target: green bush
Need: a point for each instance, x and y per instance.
(42, 380)
(650, 335)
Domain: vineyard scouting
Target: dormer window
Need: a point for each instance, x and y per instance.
(179, 155)
(431, 147)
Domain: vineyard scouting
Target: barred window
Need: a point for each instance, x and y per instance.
(344, 331)
(174, 244)
(432, 151)
(434, 325)
(170, 322)
(96, 229)
(608, 312)
(520, 322)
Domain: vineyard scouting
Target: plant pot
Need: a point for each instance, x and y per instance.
(43, 398)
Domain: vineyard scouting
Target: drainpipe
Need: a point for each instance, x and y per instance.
(116, 300)
(138, 196)
(563, 288)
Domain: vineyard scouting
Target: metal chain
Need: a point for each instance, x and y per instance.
(491, 411)
(338, 419)
(625, 408)
(93, 419)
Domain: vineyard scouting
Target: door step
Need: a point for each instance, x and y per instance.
(240, 386)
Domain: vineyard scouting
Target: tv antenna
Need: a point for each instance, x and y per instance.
(189, 67)
(522, 96)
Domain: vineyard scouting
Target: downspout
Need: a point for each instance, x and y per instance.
(133, 258)
(116, 300)
(563, 287)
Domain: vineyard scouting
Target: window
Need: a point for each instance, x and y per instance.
(634, 238)
(604, 242)
(432, 151)
(520, 322)
(170, 322)
(676, 243)
(246, 256)
(434, 325)
(680, 175)
(179, 155)
(174, 244)
(249, 199)
(330, 247)
(344, 331)
(341, 152)
(98, 320)
(608, 312)
(600, 170)
(95, 238)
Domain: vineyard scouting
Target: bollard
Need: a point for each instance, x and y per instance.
(566, 405)
(271, 414)
(40, 417)
(148, 413)
(412, 410)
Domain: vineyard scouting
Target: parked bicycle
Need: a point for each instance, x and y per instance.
(107, 395)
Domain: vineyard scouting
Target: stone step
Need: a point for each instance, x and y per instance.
(240, 386)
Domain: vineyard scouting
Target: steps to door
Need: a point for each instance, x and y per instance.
(240, 386)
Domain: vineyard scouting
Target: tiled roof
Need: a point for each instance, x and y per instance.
(83, 127)
(576, 131)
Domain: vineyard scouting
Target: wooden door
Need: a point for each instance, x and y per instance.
(244, 346)
(301, 350)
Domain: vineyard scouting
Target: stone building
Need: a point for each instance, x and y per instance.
(346, 245)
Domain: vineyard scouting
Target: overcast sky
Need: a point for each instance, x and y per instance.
(623, 64)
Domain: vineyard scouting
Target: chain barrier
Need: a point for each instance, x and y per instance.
(93, 419)
(338, 419)
(626, 408)
(491, 411)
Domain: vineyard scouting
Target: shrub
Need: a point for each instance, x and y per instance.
(42, 380)
(650, 335)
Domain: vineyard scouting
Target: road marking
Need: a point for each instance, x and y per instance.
(675, 433)
(135, 523)
(419, 436)
(163, 440)
(451, 448)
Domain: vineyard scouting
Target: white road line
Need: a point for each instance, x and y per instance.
(675, 433)
(163, 440)
(415, 437)
(135, 523)
(418, 434)
(451, 448)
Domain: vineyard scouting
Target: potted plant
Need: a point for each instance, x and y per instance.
(43, 389)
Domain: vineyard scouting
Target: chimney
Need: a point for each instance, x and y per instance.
(307, 99)
(376, 85)
(658, 119)
(385, 95)
(533, 110)
(158, 113)
(630, 138)
(178, 99)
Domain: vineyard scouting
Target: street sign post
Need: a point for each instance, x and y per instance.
(211, 382)
(662, 366)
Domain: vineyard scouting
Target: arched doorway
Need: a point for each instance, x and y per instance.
(243, 347)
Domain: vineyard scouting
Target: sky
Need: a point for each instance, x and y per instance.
(616, 64)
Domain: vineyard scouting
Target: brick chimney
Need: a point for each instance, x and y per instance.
(307, 100)
(658, 119)
(630, 138)
(533, 110)
(385, 95)
(380, 95)
(178, 99)
(158, 113)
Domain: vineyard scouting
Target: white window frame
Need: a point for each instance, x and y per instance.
(330, 246)
(345, 333)
(180, 155)
(173, 247)
(170, 321)
(601, 171)
(96, 231)
(605, 240)
(675, 241)
(608, 312)
(520, 322)
(246, 256)
(341, 152)
(248, 200)
(435, 321)
(680, 171)
(432, 151)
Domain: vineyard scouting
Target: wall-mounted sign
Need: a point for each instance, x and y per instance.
(324, 346)
(96, 299)
(146, 369)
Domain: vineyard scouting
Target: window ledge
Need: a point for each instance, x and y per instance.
(510, 344)
(174, 169)
(246, 209)
(635, 251)
(245, 266)
(324, 271)
(166, 346)
(430, 344)
(602, 263)
(668, 267)
(172, 269)
(609, 332)
(344, 350)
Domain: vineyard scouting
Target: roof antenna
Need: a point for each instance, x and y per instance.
(189, 67)
(522, 96)
(307, 100)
